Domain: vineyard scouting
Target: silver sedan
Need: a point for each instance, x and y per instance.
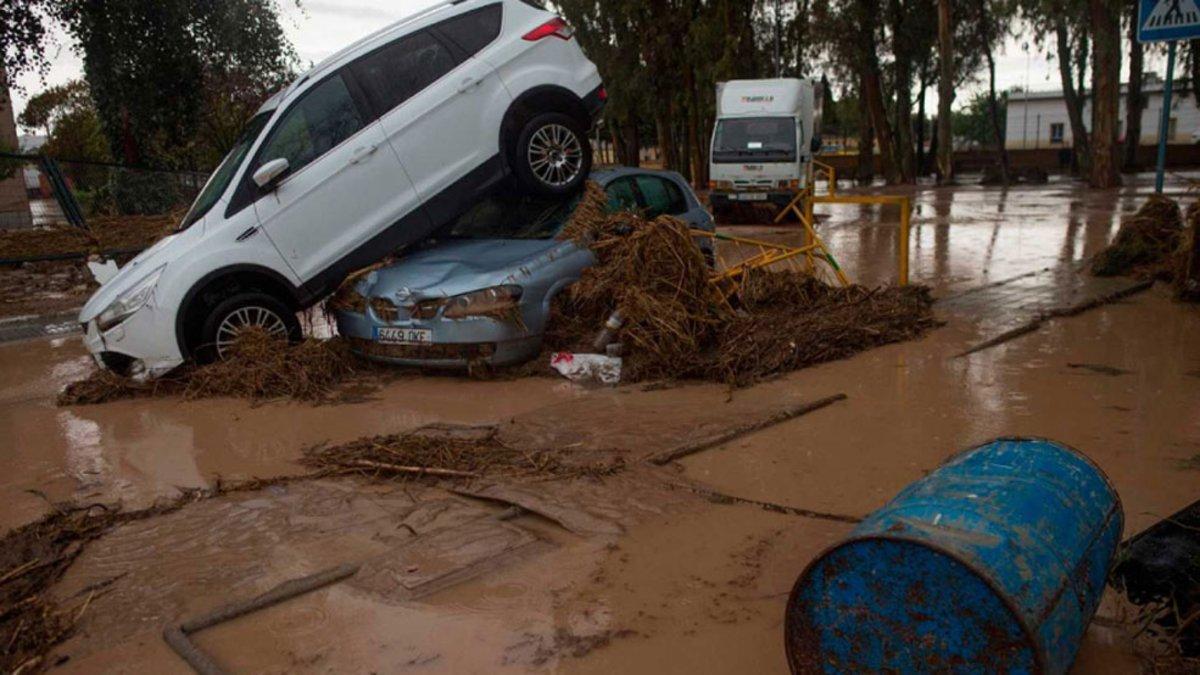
(482, 290)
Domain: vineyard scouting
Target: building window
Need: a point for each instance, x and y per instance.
(1056, 133)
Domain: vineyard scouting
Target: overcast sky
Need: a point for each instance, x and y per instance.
(324, 26)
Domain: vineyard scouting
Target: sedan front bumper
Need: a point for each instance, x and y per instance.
(456, 344)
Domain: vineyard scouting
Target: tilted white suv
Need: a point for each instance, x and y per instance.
(375, 148)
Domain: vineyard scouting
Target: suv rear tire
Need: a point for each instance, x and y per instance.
(241, 310)
(553, 156)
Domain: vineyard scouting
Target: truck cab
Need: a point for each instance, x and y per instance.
(763, 141)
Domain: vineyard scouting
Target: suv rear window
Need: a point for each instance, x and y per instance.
(474, 30)
(395, 73)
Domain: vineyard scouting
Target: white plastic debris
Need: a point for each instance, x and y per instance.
(587, 367)
(102, 272)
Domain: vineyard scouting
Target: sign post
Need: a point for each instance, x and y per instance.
(1167, 21)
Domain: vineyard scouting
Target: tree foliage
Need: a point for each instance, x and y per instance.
(24, 37)
(170, 78)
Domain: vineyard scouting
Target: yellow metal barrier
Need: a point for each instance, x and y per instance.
(802, 207)
(728, 277)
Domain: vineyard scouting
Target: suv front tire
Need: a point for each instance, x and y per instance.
(552, 156)
(240, 311)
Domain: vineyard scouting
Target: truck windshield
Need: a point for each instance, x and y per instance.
(220, 178)
(758, 139)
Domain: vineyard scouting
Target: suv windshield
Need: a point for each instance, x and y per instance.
(508, 216)
(760, 139)
(220, 178)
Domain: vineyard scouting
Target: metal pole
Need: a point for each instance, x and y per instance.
(1165, 127)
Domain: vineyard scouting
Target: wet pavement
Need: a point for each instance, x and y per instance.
(682, 584)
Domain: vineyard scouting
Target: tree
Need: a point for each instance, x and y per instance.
(24, 36)
(1106, 93)
(1066, 24)
(156, 67)
(945, 91)
(1134, 98)
(43, 110)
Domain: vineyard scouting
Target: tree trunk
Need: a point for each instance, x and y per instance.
(921, 168)
(1106, 93)
(1133, 100)
(699, 165)
(903, 93)
(945, 92)
(997, 133)
(904, 123)
(865, 173)
(879, 122)
(1079, 133)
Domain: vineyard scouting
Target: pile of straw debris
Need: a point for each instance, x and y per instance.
(447, 452)
(34, 557)
(1146, 244)
(104, 233)
(1187, 258)
(676, 325)
(44, 287)
(260, 367)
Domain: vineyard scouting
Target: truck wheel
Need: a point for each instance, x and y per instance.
(553, 156)
(239, 312)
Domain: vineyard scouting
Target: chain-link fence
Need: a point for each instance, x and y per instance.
(58, 210)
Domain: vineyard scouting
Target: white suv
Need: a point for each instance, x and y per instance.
(375, 148)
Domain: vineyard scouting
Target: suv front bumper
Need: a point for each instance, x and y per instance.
(138, 347)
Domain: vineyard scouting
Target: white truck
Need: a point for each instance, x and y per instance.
(763, 141)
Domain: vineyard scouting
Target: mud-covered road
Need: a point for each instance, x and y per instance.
(639, 572)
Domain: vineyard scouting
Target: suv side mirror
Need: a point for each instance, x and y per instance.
(268, 174)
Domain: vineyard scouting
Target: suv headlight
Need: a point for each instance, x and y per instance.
(130, 301)
(489, 301)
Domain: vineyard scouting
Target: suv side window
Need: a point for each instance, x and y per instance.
(621, 196)
(662, 196)
(324, 117)
(474, 30)
(395, 73)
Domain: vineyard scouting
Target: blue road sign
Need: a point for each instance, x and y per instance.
(1164, 20)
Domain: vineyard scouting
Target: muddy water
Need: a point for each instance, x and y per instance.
(970, 235)
(688, 587)
(137, 451)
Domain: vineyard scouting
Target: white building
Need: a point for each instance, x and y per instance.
(1038, 119)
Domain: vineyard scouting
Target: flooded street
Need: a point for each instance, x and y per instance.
(677, 568)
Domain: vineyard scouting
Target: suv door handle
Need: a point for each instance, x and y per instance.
(468, 84)
(362, 153)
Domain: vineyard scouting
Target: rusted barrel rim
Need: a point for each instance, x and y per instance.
(1009, 604)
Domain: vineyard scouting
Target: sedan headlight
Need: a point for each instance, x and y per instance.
(487, 302)
(130, 301)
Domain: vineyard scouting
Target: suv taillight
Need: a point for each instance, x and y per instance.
(555, 27)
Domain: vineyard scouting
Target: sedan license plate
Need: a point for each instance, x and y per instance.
(752, 197)
(403, 336)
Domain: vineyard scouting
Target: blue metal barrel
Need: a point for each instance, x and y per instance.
(994, 562)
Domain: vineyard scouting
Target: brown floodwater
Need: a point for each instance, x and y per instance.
(688, 585)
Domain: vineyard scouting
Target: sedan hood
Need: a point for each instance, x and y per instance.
(461, 266)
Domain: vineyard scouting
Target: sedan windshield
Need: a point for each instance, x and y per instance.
(762, 139)
(220, 178)
(509, 216)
